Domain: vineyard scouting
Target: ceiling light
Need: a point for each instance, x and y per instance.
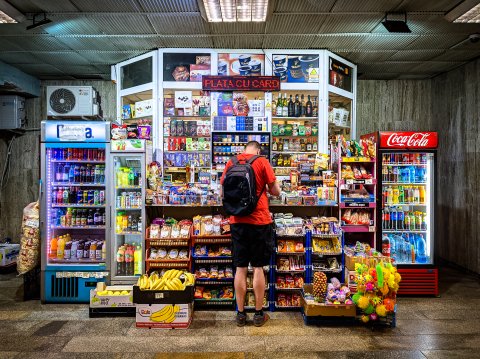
(234, 10)
(39, 23)
(9, 14)
(466, 12)
(398, 26)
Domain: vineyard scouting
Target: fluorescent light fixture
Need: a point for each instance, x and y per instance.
(235, 10)
(466, 12)
(397, 26)
(9, 14)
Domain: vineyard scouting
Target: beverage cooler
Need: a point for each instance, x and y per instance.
(408, 199)
(74, 219)
(128, 158)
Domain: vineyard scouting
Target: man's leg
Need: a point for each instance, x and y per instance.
(241, 287)
(258, 287)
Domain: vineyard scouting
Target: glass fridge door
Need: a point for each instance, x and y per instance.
(407, 206)
(75, 206)
(127, 217)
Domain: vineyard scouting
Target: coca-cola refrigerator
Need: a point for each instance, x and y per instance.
(407, 198)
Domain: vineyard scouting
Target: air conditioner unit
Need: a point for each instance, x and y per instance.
(72, 101)
(12, 112)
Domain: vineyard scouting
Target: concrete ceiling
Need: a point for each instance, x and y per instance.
(86, 36)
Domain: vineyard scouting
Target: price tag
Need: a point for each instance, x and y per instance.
(72, 132)
(368, 181)
(371, 228)
(349, 181)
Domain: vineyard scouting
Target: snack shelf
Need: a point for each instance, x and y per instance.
(237, 143)
(287, 306)
(189, 136)
(213, 281)
(72, 205)
(218, 302)
(184, 205)
(287, 289)
(290, 235)
(291, 136)
(193, 151)
(136, 118)
(301, 118)
(357, 159)
(213, 261)
(291, 271)
(184, 116)
(296, 152)
(167, 260)
(79, 227)
(366, 181)
(327, 253)
(326, 204)
(326, 235)
(290, 253)
(251, 307)
(168, 242)
(227, 153)
(212, 240)
(209, 257)
(76, 161)
(358, 228)
(77, 184)
(177, 264)
(128, 208)
(327, 270)
(225, 236)
(183, 169)
(358, 205)
(76, 261)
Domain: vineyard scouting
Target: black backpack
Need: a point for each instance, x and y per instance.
(240, 188)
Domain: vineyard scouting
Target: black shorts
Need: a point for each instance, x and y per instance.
(252, 244)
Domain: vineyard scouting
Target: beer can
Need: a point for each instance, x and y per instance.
(102, 196)
(90, 197)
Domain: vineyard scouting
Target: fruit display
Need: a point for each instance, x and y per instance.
(319, 284)
(114, 293)
(172, 279)
(165, 315)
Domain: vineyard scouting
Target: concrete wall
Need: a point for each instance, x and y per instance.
(22, 186)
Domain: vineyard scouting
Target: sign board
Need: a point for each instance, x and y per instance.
(408, 140)
(241, 83)
(75, 131)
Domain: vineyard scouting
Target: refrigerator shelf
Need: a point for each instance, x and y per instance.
(404, 204)
(77, 184)
(75, 261)
(77, 161)
(404, 231)
(405, 183)
(128, 187)
(72, 205)
(128, 233)
(403, 164)
(79, 227)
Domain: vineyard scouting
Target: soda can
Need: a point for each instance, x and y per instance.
(85, 197)
(101, 195)
(412, 158)
(90, 197)
(118, 203)
(94, 154)
(84, 154)
(89, 154)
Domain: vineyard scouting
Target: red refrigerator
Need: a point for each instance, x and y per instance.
(407, 199)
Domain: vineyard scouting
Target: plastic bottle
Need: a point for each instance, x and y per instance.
(408, 253)
(129, 261)
(412, 174)
(59, 173)
(396, 194)
(80, 246)
(399, 249)
(412, 253)
(422, 194)
(118, 227)
(65, 195)
(420, 254)
(99, 250)
(416, 195)
(104, 251)
(53, 247)
(386, 246)
(400, 218)
(61, 247)
(137, 258)
(393, 246)
(393, 218)
(67, 254)
(389, 195)
(86, 250)
(121, 261)
(93, 250)
(424, 221)
(68, 218)
(413, 221)
(418, 221)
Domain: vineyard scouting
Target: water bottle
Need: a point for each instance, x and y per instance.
(420, 249)
(393, 248)
(412, 174)
(399, 249)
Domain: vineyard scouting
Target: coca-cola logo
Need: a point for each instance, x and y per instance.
(415, 139)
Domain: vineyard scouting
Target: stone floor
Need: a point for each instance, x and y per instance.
(445, 327)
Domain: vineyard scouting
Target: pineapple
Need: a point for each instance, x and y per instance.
(319, 285)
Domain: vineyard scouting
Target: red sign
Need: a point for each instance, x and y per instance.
(408, 140)
(241, 83)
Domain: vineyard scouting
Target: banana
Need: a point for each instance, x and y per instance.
(163, 314)
(178, 273)
(171, 285)
(156, 285)
(167, 274)
(143, 282)
(178, 284)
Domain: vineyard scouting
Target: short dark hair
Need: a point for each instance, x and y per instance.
(254, 144)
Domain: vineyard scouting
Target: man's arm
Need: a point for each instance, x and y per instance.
(274, 189)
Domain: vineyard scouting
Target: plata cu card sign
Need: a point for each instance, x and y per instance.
(241, 83)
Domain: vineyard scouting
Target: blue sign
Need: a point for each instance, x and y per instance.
(75, 131)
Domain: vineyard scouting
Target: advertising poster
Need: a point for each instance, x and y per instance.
(296, 68)
(241, 64)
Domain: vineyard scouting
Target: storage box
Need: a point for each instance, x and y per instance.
(166, 316)
(312, 308)
(9, 253)
(350, 262)
(163, 296)
(112, 300)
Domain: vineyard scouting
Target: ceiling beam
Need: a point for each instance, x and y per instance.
(180, 13)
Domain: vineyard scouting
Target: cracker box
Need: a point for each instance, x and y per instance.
(164, 316)
(143, 108)
(9, 253)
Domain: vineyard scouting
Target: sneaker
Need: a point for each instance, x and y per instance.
(241, 319)
(259, 320)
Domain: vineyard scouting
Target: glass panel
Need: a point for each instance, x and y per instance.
(76, 205)
(296, 68)
(137, 73)
(407, 185)
(137, 109)
(339, 115)
(128, 215)
(340, 75)
(185, 66)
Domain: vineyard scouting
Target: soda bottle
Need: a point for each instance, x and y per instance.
(131, 177)
(76, 174)
(85, 197)
(407, 251)
(65, 195)
(384, 173)
(80, 247)
(93, 250)
(83, 217)
(395, 174)
(422, 194)
(104, 251)
(393, 248)
(73, 250)
(410, 194)
(386, 246)
(82, 174)
(90, 217)
(412, 221)
(53, 248)
(395, 193)
(74, 217)
(129, 261)
(124, 222)
(72, 195)
(59, 173)
(96, 197)
(416, 195)
(68, 217)
(424, 221)
(97, 217)
(137, 259)
(394, 218)
(134, 224)
(400, 218)
(418, 221)
(412, 174)
(86, 250)
(390, 174)
(118, 226)
(66, 171)
(129, 223)
(406, 224)
(121, 261)
(389, 195)
(401, 195)
(98, 251)
(54, 195)
(90, 197)
(79, 197)
(101, 196)
(60, 247)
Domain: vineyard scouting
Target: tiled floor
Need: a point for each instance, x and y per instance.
(445, 327)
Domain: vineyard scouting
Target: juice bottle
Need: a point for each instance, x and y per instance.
(73, 250)
(104, 251)
(86, 250)
(129, 261)
(137, 258)
(118, 226)
(395, 193)
(67, 254)
(53, 247)
(98, 251)
(61, 248)
(422, 194)
(124, 222)
(80, 247)
(93, 250)
(416, 195)
(121, 261)
(68, 217)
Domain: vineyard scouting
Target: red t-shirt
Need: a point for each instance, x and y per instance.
(264, 175)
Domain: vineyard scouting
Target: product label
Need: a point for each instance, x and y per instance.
(408, 140)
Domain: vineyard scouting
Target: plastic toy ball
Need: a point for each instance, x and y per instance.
(381, 310)
(363, 302)
(373, 316)
(365, 318)
(370, 309)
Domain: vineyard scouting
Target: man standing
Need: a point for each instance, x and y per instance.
(252, 235)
